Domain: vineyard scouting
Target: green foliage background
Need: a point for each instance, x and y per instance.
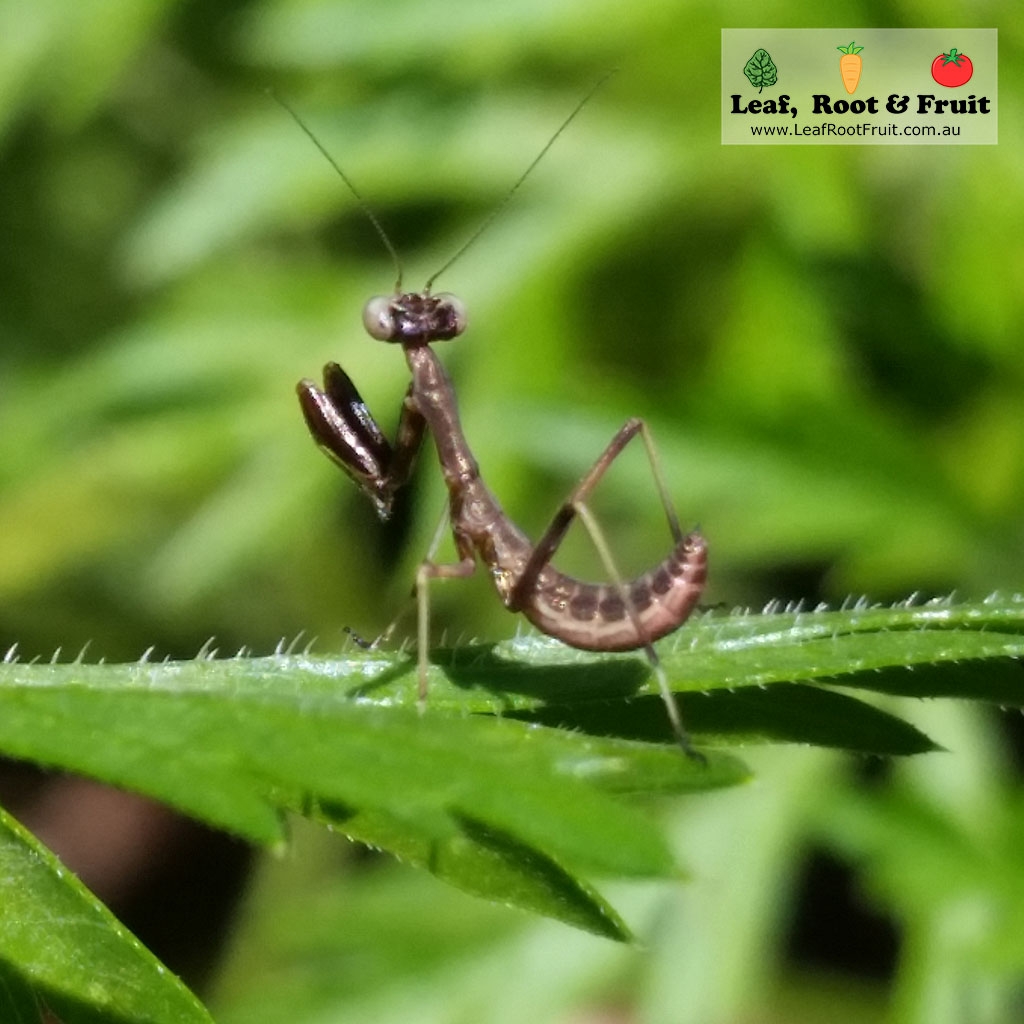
(826, 341)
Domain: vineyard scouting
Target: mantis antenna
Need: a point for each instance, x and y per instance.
(488, 220)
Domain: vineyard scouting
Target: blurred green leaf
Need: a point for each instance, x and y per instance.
(956, 885)
(59, 943)
(310, 959)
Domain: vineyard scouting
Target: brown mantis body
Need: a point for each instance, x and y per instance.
(615, 616)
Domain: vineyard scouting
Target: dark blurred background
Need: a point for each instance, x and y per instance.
(825, 341)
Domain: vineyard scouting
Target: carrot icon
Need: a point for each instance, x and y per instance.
(850, 66)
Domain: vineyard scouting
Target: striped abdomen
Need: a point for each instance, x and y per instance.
(594, 616)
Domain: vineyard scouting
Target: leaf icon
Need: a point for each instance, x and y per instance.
(760, 70)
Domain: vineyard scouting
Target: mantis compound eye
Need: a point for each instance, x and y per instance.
(379, 318)
(456, 314)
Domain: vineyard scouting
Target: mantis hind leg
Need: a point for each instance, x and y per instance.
(574, 507)
(667, 695)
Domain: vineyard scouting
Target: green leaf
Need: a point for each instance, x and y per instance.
(19, 1002)
(760, 70)
(62, 949)
(500, 808)
(782, 713)
(496, 789)
(482, 861)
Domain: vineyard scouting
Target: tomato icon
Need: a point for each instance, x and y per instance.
(952, 69)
